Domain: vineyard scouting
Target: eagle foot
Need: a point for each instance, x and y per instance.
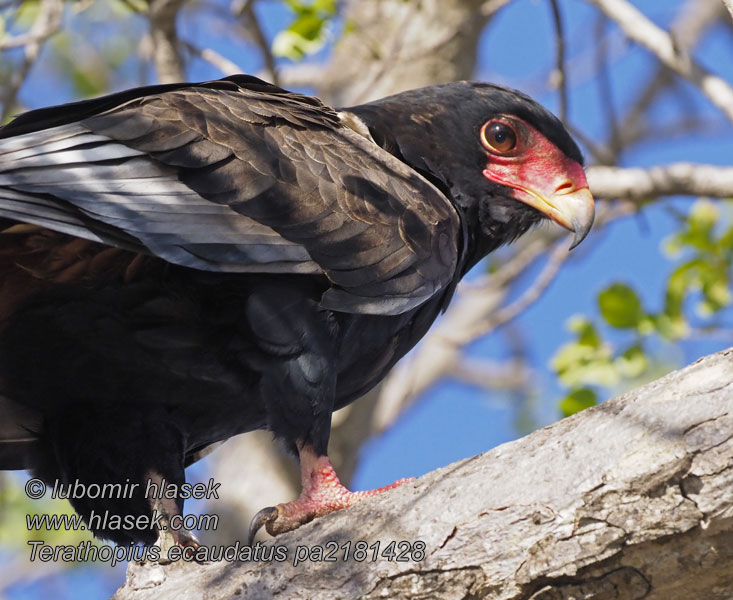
(322, 494)
(167, 538)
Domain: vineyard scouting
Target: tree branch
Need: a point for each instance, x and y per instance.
(407, 44)
(729, 5)
(560, 75)
(164, 35)
(476, 310)
(605, 88)
(692, 20)
(686, 179)
(504, 315)
(629, 499)
(222, 63)
(643, 31)
(244, 10)
(46, 24)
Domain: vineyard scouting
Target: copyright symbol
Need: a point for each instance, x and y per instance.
(35, 488)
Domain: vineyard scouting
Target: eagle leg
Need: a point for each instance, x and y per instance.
(169, 536)
(322, 493)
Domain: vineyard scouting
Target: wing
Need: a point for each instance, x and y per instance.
(235, 175)
(18, 440)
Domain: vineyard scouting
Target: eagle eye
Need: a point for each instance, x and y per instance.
(498, 137)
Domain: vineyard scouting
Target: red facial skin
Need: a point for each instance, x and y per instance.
(541, 175)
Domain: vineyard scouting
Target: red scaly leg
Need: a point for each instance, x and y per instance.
(321, 494)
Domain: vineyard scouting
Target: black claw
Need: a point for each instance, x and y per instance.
(261, 518)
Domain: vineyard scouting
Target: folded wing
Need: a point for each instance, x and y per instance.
(238, 176)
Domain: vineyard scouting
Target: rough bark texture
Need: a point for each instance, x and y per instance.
(397, 45)
(164, 36)
(631, 499)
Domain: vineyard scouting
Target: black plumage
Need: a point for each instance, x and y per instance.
(183, 263)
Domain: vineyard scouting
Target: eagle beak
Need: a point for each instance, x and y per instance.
(566, 200)
(571, 207)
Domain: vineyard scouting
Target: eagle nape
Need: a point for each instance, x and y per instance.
(183, 263)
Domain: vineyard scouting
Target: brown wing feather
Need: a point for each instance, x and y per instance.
(246, 178)
(33, 257)
(384, 236)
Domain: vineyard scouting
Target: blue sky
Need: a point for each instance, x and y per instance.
(453, 421)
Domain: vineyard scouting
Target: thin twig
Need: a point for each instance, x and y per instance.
(510, 374)
(45, 25)
(692, 20)
(222, 63)
(605, 88)
(520, 260)
(164, 35)
(491, 7)
(601, 154)
(729, 5)
(300, 75)
(718, 335)
(245, 10)
(504, 315)
(560, 74)
(382, 66)
(660, 43)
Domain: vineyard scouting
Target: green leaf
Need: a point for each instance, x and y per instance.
(716, 289)
(124, 9)
(633, 362)
(677, 288)
(671, 327)
(578, 400)
(620, 306)
(724, 246)
(308, 32)
(580, 364)
(698, 230)
(27, 13)
(585, 330)
(704, 214)
(307, 26)
(327, 6)
(293, 46)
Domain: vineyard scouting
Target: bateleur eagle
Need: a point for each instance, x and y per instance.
(183, 263)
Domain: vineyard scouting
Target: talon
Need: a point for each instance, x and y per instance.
(264, 517)
(322, 494)
(186, 539)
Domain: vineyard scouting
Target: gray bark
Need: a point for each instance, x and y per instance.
(397, 45)
(164, 37)
(630, 499)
